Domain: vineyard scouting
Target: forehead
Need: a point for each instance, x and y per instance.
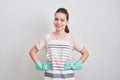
(60, 15)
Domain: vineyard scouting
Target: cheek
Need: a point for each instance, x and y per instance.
(54, 22)
(65, 23)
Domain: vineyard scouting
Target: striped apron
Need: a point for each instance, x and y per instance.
(58, 52)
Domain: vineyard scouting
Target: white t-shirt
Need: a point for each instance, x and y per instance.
(75, 44)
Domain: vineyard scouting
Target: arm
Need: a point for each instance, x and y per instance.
(40, 45)
(85, 54)
(80, 48)
(33, 53)
(78, 64)
(39, 65)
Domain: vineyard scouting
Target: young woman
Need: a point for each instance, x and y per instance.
(59, 46)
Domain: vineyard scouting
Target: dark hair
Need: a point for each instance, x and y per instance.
(63, 10)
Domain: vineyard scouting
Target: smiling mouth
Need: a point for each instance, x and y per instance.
(58, 26)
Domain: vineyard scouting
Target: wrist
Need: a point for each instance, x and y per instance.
(80, 61)
(39, 65)
(37, 62)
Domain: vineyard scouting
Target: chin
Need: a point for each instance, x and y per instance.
(59, 28)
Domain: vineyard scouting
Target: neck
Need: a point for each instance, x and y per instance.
(60, 32)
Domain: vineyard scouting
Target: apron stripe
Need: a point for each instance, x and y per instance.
(59, 75)
(66, 58)
(58, 45)
(58, 53)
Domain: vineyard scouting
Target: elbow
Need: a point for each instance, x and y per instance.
(87, 54)
(31, 52)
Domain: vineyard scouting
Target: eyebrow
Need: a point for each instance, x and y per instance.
(60, 18)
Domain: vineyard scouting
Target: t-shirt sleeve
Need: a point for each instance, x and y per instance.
(41, 44)
(76, 44)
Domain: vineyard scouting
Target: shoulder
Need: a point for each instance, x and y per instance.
(72, 36)
(46, 36)
(75, 38)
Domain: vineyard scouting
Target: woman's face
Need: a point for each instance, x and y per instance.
(60, 21)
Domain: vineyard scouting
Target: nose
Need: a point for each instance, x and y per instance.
(58, 21)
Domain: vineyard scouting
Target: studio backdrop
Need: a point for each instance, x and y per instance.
(95, 23)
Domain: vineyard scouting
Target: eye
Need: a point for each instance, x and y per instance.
(56, 19)
(62, 20)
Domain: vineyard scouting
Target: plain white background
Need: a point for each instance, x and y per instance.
(96, 23)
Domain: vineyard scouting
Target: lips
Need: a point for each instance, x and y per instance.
(58, 26)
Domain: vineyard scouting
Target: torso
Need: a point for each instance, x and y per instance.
(58, 52)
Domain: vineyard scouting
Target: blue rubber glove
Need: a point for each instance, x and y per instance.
(43, 67)
(73, 65)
